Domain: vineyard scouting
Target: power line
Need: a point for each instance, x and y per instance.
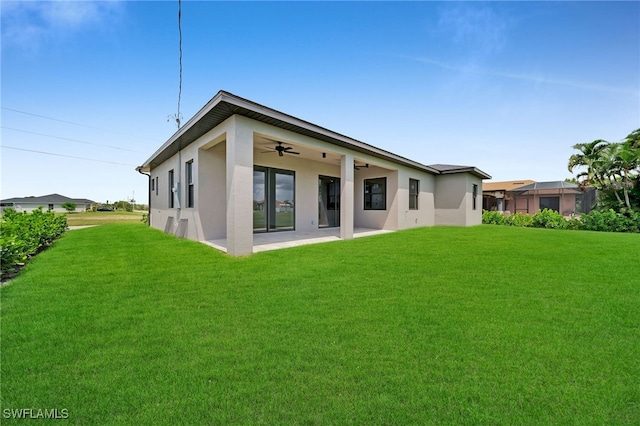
(178, 117)
(75, 124)
(67, 139)
(180, 44)
(66, 156)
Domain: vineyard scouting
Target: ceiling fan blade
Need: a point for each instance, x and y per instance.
(291, 152)
(268, 152)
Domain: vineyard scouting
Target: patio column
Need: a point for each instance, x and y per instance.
(346, 197)
(239, 188)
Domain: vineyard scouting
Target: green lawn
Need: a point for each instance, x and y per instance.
(283, 220)
(101, 218)
(122, 324)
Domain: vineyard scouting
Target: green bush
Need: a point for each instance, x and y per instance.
(574, 224)
(610, 221)
(604, 221)
(549, 219)
(493, 217)
(24, 234)
(519, 219)
(68, 206)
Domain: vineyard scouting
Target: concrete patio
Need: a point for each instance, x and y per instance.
(285, 239)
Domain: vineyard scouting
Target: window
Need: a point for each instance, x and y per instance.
(50, 206)
(552, 203)
(189, 178)
(157, 184)
(414, 190)
(153, 184)
(171, 197)
(375, 194)
(475, 196)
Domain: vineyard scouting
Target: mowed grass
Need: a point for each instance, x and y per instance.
(102, 218)
(122, 324)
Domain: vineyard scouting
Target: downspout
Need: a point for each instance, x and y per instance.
(139, 169)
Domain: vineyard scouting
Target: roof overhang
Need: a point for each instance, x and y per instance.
(224, 105)
(446, 169)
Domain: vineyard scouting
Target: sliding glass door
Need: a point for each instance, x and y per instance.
(328, 201)
(273, 199)
(259, 200)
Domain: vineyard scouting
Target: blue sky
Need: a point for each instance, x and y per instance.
(507, 87)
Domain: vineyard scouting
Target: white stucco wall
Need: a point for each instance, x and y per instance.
(224, 197)
(211, 185)
(454, 201)
(425, 214)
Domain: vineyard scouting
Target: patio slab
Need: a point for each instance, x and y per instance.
(285, 239)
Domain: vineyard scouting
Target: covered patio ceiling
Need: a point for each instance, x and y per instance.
(264, 145)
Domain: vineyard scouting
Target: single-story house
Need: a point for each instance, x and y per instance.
(527, 196)
(497, 196)
(51, 202)
(238, 169)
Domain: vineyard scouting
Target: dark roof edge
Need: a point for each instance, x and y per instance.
(235, 105)
(449, 170)
(206, 108)
(54, 198)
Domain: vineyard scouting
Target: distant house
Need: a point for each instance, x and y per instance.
(239, 169)
(51, 202)
(527, 196)
(497, 196)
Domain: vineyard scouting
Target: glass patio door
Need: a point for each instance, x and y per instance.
(273, 199)
(328, 201)
(259, 200)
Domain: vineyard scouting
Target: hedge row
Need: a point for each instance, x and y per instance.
(606, 221)
(24, 234)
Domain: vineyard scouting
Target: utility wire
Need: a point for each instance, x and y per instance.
(66, 156)
(68, 139)
(75, 124)
(180, 47)
(177, 116)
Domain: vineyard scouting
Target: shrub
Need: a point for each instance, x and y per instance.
(610, 221)
(605, 220)
(574, 224)
(24, 235)
(493, 217)
(519, 219)
(68, 206)
(549, 219)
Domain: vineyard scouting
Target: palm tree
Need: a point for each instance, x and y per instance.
(615, 165)
(633, 140)
(590, 156)
(628, 156)
(610, 167)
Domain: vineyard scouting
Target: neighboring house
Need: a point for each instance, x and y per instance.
(46, 202)
(529, 197)
(238, 168)
(497, 195)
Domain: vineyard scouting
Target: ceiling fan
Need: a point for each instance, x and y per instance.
(360, 166)
(281, 150)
